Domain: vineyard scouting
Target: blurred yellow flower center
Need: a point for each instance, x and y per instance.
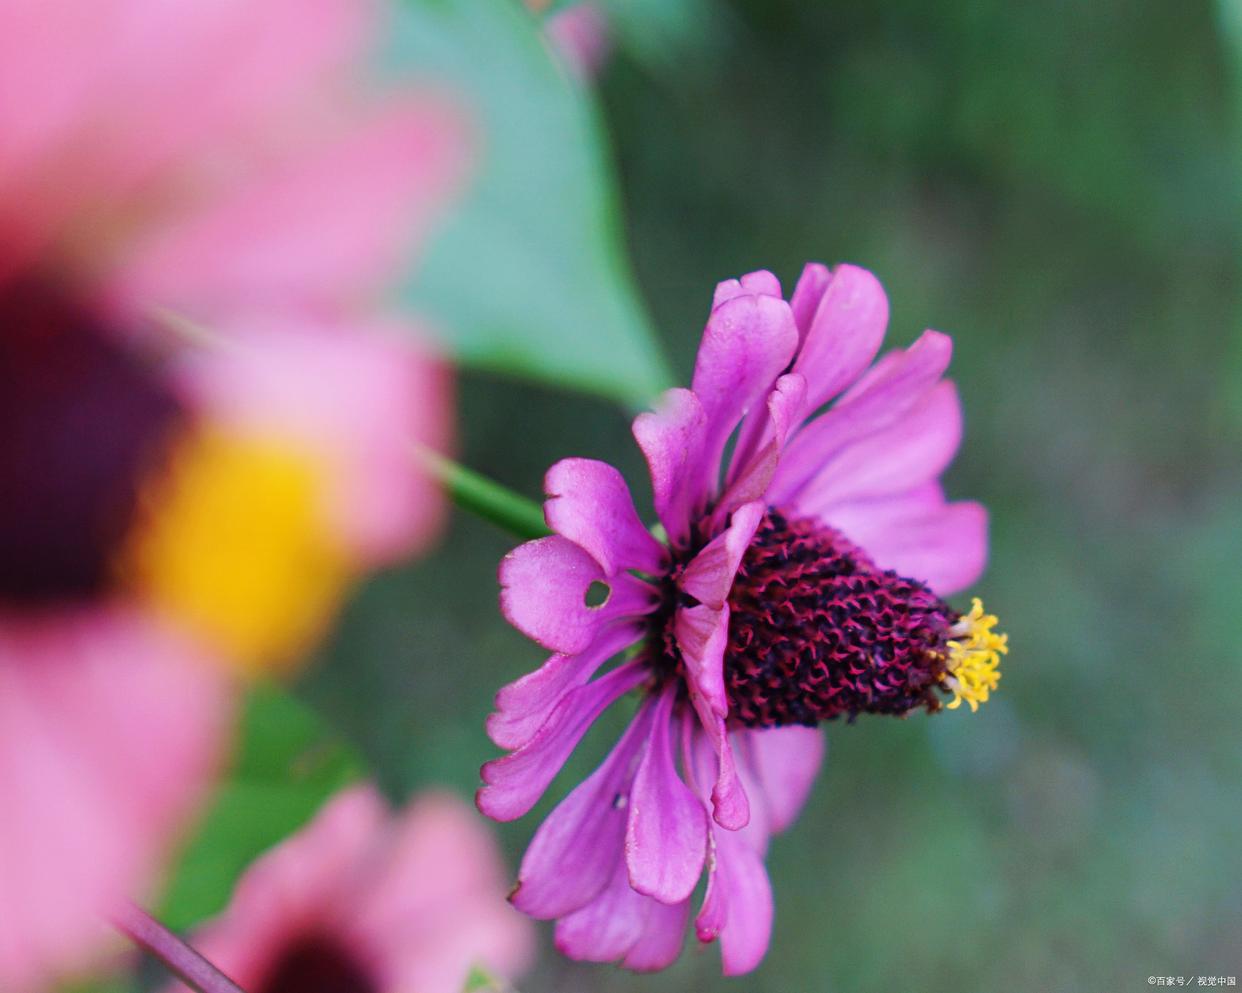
(235, 544)
(974, 658)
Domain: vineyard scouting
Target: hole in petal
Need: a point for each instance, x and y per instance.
(597, 594)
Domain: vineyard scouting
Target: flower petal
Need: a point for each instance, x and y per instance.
(702, 634)
(672, 440)
(784, 762)
(589, 503)
(759, 282)
(609, 926)
(709, 576)
(515, 782)
(895, 459)
(806, 295)
(944, 546)
(663, 933)
(747, 343)
(740, 882)
(750, 472)
(844, 334)
(524, 705)
(666, 836)
(895, 384)
(576, 849)
(544, 585)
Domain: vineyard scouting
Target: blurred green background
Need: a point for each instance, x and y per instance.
(1058, 186)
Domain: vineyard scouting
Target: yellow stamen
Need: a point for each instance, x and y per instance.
(974, 658)
(235, 544)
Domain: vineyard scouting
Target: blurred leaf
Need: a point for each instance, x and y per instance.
(529, 278)
(286, 765)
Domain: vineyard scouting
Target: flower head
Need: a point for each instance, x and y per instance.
(174, 502)
(362, 900)
(806, 550)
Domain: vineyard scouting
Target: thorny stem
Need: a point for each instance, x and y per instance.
(511, 511)
(180, 958)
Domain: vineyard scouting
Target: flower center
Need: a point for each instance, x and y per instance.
(818, 631)
(83, 420)
(316, 963)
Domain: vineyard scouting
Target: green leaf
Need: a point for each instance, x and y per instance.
(286, 765)
(529, 277)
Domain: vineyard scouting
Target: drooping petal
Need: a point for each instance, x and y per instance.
(589, 503)
(844, 334)
(663, 934)
(702, 634)
(666, 835)
(942, 545)
(709, 576)
(895, 459)
(576, 849)
(515, 782)
(524, 705)
(740, 883)
(894, 385)
(609, 926)
(91, 807)
(544, 585)
(784, 762)
(747, 343)
(672, 440)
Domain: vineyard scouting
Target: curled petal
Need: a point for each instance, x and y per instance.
(515, 783)
(760, 282)
(589, 503)
(666, 836)
(709, 576)
(738, 907)
(702, 634)
(544, 586)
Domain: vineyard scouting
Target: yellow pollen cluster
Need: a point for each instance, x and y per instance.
(235, 544)
(974, 658)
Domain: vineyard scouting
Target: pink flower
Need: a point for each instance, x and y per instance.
(580, 33)
(207, 408)
(799, 582)
(363, 900)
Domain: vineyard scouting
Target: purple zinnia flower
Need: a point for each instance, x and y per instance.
(798, 581)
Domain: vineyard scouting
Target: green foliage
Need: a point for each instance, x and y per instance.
(286, 765)
(530, 277)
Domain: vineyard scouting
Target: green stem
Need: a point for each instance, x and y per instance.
(521, 517)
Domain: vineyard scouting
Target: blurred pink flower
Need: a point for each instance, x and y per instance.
(796, 581)
(369, 902)
(208, 406)
(580, 33)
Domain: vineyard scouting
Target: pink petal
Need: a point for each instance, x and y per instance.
(761, 283)
(517, 781)
(388, 393)
(589, 503)
(784, 762)
(741, 884)
(663, 933)
(709, 576)
(575, 852)
(581, 34)
(672, 441)
(609, 926)
(747, 343)
(751, 472)
(913, 450)
(90, 807)
(666, 836)
(702, 634)
(524, 705)
(844, 334)
(894, 385)
(271, 241)
(806, 295)
(945, 546)
(544, 586)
